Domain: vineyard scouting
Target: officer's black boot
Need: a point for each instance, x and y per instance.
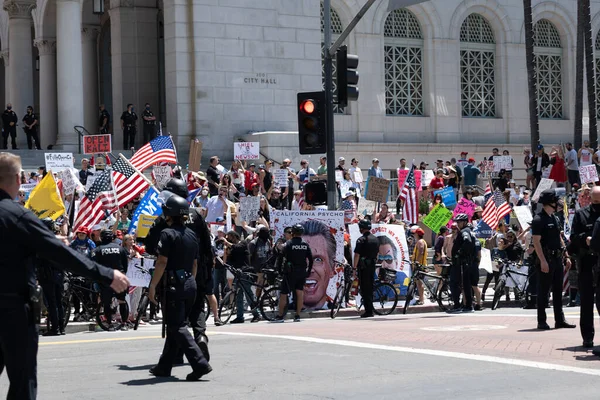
(61, 326)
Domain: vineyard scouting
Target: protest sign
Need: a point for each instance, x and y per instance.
(69, 180)
(95, 144)
(195, 155)
(487, 169)
(546, 172)
(246, 151)
(502, 163)
(464, 206)
(366, 207)
(144, 224)
(544, 184)
(27, 188)
(483, 230)
(339, 175)
(588, 174)
(437, 218)
(249, 207)
(448, 196)
(358, 178)
(524, 216)
(568, 224)
(403, 173)
(138, 271)
(56, 162)
(377, 189)
(280, 177)
(486, 260)
(162, 175)
(427, 176)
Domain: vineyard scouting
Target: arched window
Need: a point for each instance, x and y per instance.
(548, 68)
(477, 67)
(403, 63)
(336, 31)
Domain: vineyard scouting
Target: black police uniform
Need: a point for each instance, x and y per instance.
(24, 237)
(104, 127)
(367, 247)
(51, 280)
(547, 226)
(149, 126)
(9, 116)
(115, 257)
(129, 128)
(463, 254)
(299, 260)
(587, 259)
(179, 245)
(32, 134)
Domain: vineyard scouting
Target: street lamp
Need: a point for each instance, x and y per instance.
(98, 7)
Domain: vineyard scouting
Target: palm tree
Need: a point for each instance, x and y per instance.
(577, 138)
(531, 76)
(590, 71)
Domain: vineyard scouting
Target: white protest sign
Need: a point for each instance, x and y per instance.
(90, 181)
(486, 261)
(138, 272)
(524, 216)
(502, 162)
(544, 184)
(27, 187)
(56, 162)
(162, 175)
(546, 172)
(588, 174)
(246, 151)
(339, 175)
(428, 175)
(358, 178)
(249, 207)
(280, 177)
(69, 181)
(366, 207)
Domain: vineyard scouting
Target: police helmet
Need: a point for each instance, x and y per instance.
(297, 229)
(48, 222)
(178, 187)
(175, 206)
(107, 236)
(461, 217)
(548, 196)
(364, 224)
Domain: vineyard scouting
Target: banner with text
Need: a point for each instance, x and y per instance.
(149, 205)
(246, 151)
(138, 271)
(249, 207)
(56, 162)
(97, 144)
(437, 218)
(448, 196)
(377, 189)
(588, 174)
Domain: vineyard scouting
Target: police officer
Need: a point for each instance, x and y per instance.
(24, 237)
(51, 280)
(587, 259)
(9, 125)
(149, 124)
(113, 256)
(463, 255)
(129, 127)
(31, 129)
(365, 256)
(104, 120)
(551, 251)
(178, 261)
(593, 242)
(298, 263)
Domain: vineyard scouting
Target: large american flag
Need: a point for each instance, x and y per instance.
(496, 208)
(128, 182)
(156, 151)
(410, 211)
(101, 196)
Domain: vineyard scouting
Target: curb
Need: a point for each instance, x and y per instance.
(73, 327)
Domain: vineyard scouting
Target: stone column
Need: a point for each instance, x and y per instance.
(89, 34)
(48, 108)
(21, 65)
(69, 75)
(4, 55)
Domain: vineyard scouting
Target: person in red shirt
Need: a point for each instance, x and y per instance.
(251, 177)
(437, 182)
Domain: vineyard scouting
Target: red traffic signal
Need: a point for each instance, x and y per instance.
(308, 106)
(312, 127)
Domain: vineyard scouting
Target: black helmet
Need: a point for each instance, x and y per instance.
(461, 217)
(178, 187)
(107, 236)
(364, 224)
(548, 196)
(297, 229)
(175, 206)
(48, 222)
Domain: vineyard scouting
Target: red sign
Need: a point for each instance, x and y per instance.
(96, 144)
(403, 173)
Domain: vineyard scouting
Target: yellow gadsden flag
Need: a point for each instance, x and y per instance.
(45, 200)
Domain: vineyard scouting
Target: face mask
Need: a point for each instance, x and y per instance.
(148, 108)
(596, 207)
(131, 109)
(204, 193)
(9, 108)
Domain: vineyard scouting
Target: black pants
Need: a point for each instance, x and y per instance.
(538, 178)
(367, 280)
(104, 131)
(589, 294)
(459, 274)
(33, 136)
(197, 315)
(149, 132)
(13, 136)
(106, 293)
(53, 294)
(18, 350)
(488, 279)
(129, 137)
(551, 281)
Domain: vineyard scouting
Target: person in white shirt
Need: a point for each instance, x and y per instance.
(296, 201)
(217, 206)
(572, 165)
(585, 154)
(355, 172)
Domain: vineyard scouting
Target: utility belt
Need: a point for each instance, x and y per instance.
(177, 278)
(34, 299)
(129, 126)
(553, 253)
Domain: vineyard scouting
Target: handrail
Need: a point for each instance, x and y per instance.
(82, 132)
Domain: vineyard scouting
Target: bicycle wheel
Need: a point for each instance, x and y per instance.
(498, 292)
(66, 303)
(410, 293)
(141, 310)
(116, 323)
(444, 298)
(337, 301)
(269, 303)
(228, 307)
(385, 298)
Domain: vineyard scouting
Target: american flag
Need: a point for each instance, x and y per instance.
(128, 183)
(101, 196)
(410, 211)
(496, 208)
(156, 151)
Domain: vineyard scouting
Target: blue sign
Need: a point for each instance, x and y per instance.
(483, 230)
(150, 205)
(448, 196)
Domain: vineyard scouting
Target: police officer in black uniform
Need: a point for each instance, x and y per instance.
(365, 258)
(103, 120)
(24, 237)
(129, 127)
(593, 242)
(31, 129)
(113, 256)
(9, 125)
(178, 261)
(463, 255)
(51, 279)
(149, 124)
(297, 266)
(551, 251)
(587, 259)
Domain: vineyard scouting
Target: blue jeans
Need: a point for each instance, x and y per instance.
(241, 293)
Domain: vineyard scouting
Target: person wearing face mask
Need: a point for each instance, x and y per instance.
(128, 125)
(551, 251)
(104, 120)
(30, 120)
(9, 123)
(202, 200)
(149, 124)
(587, 258)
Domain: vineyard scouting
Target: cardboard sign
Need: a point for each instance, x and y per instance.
(487, 169)
(377, 189)
(195, 155)
(280, 177)
(544, 184)
(448, 196)
(94, 144)
(403, 173)
(437, 218)
(502, 162)
(138, 271)
(144, 224)
(27, 187)
(339, 175)
(588, 174)
(162, 175)
(70, 181)
(524, 216)
(249, 207)
(56, 162)
(246, 151)
(464, 206)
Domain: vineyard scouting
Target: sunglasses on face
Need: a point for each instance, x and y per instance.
(385, 259)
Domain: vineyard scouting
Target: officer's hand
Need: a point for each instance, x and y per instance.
(152, 294)
(588, 240)
(120, 282)
(544, 267)
(12, 124)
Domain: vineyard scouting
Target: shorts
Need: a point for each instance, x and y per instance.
(293, 282)
(229, 275)
(474, 276)
(209, 286)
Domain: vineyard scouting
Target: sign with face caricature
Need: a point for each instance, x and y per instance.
(246, 151)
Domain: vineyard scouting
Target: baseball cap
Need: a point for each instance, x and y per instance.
(439, 161)
(375, 160)
(341, 159)
(471, 159)
(97, 227)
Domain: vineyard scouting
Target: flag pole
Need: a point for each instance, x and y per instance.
(121, 156)
(174, 149)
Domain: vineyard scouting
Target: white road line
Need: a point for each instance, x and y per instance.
(429, 352)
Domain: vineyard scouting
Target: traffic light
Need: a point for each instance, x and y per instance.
(315, 193)
(347, 76)
(312, 123)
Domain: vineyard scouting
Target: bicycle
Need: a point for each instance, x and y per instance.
(511, 276)
(436, 285)
(114, 308)
(84, 290)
